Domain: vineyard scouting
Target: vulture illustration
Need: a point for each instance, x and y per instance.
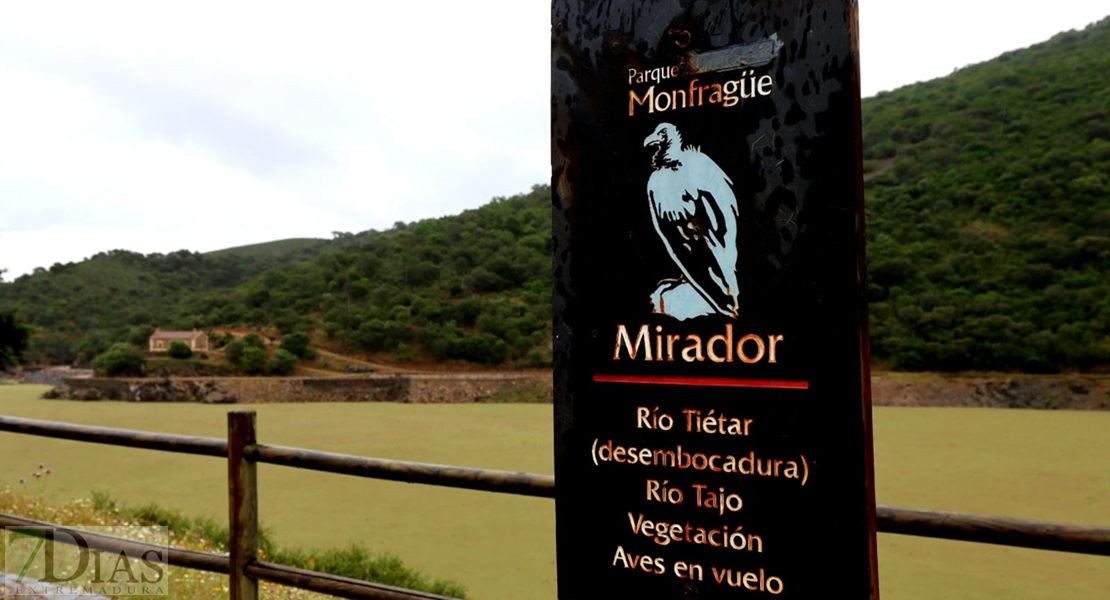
(694, 211)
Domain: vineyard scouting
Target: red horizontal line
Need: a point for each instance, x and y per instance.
(780, 384)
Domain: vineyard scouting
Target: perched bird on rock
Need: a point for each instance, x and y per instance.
(694, 211)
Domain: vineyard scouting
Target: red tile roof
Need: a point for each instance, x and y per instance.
(175, 335)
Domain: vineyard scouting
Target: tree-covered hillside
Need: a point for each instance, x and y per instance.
(80, 309)
(988, 195)
(473, 287)
(989, 212)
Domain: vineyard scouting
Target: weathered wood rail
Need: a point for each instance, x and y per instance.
(243, 452)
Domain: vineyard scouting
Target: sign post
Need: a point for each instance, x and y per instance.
(712, 409)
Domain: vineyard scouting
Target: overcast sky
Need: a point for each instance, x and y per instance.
(212, 125)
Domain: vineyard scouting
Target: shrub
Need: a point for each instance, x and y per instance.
(282, 362)
(179, 349)
(536, 358)
(14, 338)
(521, 345)
(120, 359)
(371, 335)
(296, 343)
(358, 562)
(139, 335)
(355, 561)
(51, 348)
(254, 341)
(234, 350)
(253, 360)
(403, 353)
(483, 348)
(93, 344)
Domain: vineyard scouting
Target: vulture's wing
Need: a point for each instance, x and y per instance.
(694, 211)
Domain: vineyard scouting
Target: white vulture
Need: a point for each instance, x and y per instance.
(694, 211)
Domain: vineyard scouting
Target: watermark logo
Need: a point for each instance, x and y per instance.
(52, 561)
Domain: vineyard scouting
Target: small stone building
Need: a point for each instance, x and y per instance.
(160, 341)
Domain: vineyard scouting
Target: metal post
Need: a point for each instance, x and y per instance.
(242, 484)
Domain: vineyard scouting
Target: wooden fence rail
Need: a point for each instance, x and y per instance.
(242, 452)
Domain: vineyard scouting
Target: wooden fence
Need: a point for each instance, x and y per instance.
(243, 453)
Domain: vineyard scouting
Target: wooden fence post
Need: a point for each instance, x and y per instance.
(242, 484)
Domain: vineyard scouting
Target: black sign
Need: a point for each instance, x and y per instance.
(712, 412)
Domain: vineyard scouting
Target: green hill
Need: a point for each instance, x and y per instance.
(289, 250)
(473, 287)
(988, 195)
(79, 309)
(989, 212)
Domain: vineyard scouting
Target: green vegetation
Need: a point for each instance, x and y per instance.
(1049, 465)
(179, 349)
(354, 560)
(14, 337)
(234, 350)
(252, 360)
(206, 535)
(297, 344)
(989, 212)
(80, 309)
(282, 362)
(988, 195)
(473, 287)
(253, 340)
(290, 250)
(120, 359)
(164, 366)
(251, 356)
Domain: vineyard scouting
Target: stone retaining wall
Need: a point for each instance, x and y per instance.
(1075, 392)
(53, 375)
(1051, 392)
(420, 388)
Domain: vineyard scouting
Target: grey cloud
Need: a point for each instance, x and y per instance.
(189, 107)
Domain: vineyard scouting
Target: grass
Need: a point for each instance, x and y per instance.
(1028, 464)
(353, 560)
(182, 583)
(204, 534)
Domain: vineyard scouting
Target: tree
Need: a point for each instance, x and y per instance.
(221, 340)
(50, 348)
(139, 335)
(252, 361)
(14, 337)
(254, 341)
(120, 359)
(282, 362)
(296, 344)
(234, 350)
(94, 343)
(179, 349)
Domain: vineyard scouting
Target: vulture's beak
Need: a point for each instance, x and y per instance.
(653, 139)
